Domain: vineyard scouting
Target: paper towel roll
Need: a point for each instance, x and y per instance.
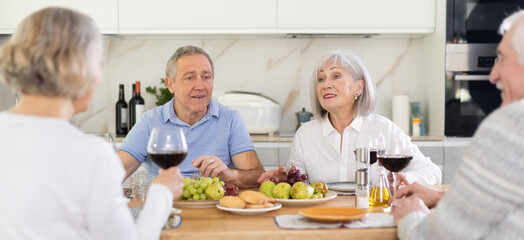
(401, 112)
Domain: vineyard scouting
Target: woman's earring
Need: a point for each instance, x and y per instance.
(356, 96)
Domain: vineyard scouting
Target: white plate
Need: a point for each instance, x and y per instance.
(244, 211)
(195, 203)
(342, 186)
(305, 202)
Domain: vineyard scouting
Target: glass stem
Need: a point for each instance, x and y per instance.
(394, 174)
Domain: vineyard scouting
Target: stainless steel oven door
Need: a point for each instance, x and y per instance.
(469, 99)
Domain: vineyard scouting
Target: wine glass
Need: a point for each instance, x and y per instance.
(396, 157)
(372, 140)
(167, 147)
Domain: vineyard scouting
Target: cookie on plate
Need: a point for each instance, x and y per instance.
(232, 202)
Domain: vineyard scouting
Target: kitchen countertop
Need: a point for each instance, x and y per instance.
(277, 138)
(287, 138)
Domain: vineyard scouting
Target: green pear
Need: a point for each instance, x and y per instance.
(214, 191)
(267, 188)
(320, 187)
(301, 190)
(282, 190)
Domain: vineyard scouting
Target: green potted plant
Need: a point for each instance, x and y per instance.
(163, 94)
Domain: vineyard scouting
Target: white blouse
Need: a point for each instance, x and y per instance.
(59, 183)
(316, 151)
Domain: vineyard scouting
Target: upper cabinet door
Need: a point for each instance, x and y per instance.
(197, 16)
(104, 12)
(356, 16)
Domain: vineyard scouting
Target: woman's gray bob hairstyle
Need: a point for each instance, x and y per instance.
(365, 104)
(53, 52)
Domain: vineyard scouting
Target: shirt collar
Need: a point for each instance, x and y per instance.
(327, 128)
(168, 111)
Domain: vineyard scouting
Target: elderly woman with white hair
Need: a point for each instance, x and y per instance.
(343, 100)
(58, 182)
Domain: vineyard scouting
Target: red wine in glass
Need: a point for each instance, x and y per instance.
(167, 147)
(395, 163)
(167, 159)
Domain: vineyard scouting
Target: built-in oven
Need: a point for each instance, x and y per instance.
(471, 42)
(469, 94)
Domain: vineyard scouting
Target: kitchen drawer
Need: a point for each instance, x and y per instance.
(284, 151)
(453, 158)
(267, 152)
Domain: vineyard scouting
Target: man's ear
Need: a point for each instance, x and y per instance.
(169, 85)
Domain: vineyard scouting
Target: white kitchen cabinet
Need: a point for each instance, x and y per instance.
(104, 12)
(197, 16)
(356, 16)
(434, 150)
(273, 154)
(454, 149)
(267, 153)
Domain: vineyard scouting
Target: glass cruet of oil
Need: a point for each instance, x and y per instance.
(380, 195)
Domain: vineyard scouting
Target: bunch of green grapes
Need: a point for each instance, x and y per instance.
(194, 189)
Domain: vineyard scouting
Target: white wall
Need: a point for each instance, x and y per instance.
(434, 55)
(277, 66)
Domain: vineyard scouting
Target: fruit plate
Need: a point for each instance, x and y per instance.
(333, 214)
(244, 211)
(342, 186)
(306, 202)
(195, 203)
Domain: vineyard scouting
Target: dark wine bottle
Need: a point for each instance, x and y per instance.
(131, 115)
(138, 103)
(121, 113)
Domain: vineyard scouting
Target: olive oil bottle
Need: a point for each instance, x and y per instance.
(380, 195)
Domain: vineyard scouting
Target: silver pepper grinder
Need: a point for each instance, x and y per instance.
(362, 178)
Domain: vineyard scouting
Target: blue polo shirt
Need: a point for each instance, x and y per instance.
(221, 132)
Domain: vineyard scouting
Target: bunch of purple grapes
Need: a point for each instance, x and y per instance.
(293, 175)
(230, 189)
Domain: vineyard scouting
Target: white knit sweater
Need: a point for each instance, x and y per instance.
(486, 200)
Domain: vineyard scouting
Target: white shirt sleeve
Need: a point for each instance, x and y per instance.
(108, 216)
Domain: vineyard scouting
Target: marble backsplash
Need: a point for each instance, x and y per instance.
(276, 66)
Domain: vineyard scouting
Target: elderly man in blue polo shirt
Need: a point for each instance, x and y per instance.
(218, 141)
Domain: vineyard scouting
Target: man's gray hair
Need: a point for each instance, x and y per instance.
(517, 42)
(365, 104)
(185, 51)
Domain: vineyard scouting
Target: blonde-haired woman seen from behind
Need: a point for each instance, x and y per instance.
(58, 182)
(343, 100)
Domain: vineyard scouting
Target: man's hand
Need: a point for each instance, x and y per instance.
(212, 166)
(405, 206)
(429, 195)
(172, 179)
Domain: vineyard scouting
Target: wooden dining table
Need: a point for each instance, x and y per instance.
(213, 223)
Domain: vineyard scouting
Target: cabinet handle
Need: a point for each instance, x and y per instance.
(471, 77)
